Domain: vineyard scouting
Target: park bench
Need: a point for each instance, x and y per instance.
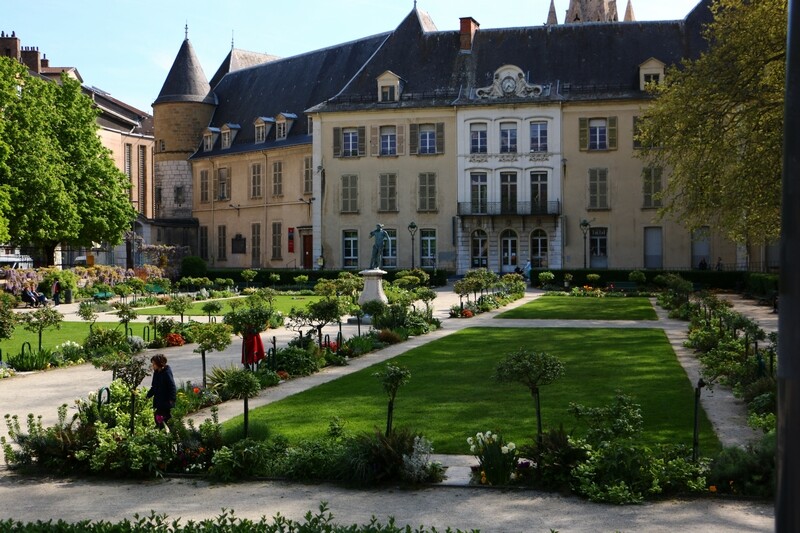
(102, 296)
(153, 288)
(622, 286)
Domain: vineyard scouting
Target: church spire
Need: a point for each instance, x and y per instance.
(552, 19)
(629, 16)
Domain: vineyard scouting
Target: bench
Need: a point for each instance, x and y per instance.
(622, 286)
(152, 288)
(103, 296)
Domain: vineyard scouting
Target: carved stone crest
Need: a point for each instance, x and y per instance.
(509, 81)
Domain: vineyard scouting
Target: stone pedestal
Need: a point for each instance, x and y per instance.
(373, 286)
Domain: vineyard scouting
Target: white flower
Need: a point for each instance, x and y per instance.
(512, 446)
(504, 449)
(470, 441)
(472, 449)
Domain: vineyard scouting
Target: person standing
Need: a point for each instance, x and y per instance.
(55, 290)
(162, 390)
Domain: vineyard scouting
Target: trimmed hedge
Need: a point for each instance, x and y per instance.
(710, 279)
(262, 278)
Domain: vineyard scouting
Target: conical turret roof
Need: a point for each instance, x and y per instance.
(186, 81)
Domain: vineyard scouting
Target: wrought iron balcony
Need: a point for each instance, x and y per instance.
(504, 208)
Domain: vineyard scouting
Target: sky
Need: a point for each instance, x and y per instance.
(126, 47)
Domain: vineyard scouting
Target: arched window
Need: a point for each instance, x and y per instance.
(479, 249)
(508, 251)
(538, 255)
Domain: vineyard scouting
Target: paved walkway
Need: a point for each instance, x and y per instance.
(42, 392)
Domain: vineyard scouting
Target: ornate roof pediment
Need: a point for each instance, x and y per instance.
(509, 81)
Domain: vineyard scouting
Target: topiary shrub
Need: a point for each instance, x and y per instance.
(193, 267)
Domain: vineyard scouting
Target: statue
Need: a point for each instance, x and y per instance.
(381, 237)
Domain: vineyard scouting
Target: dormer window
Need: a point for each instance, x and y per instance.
(651, 71)
(283, 123)
(262, 126)
(228, 134)
(389, 87)
(210, 138)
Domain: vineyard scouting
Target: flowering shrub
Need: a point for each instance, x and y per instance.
(70, 352)
(496, 459)
(284, 375)
(6, 372)
(174, 339)
(466, 313)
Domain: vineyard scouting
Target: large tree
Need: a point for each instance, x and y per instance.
(62, 184)
(717, 124)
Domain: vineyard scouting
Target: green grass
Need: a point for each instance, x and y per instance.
(580, 308)
(452, 395)
(70, 331)
(283, 304)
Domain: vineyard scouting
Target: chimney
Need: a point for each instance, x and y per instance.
(30, 57)
(45, 62)
(468, 28)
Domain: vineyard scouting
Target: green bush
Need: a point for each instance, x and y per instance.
(297, 361)
(747, 472)
(497, 460)
(549, 466)
(193, 267)
(374, 458)
(29, 360)
(637, 276)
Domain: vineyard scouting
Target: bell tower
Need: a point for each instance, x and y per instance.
(592, 11)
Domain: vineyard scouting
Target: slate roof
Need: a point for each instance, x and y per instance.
(238, 59)
(578, 61)
(186, 81)
(289, 85)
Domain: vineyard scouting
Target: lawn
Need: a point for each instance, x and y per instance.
(580, 308)
(451, 395)
(70, 331)
(282, 303)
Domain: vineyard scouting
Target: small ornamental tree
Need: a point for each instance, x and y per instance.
(88, 312)
(8, 318)
(243, 384)
(131, 373)
(39, 320)
(179, 305)
(136, 285)
(126, 314)
(211, 308)
(249, 275)
(532, 369)
(211, 338)
(392, 377)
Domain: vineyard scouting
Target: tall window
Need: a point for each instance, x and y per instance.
(427, 252)
(255, 180)
(280, 130)
(222, 243)
(652, 187)
(208, 142)
(128, 162)
(508, 192)
(427, 139)
(255, 244)
(538, 193)
(508, 250)
(226, 139)
(203, 242)
(427, 191)
(308, 175)
(598, 133)
(539, 136)
(477, 135)
(538, 254)
(178, 195)
(478, 193)
(508, 138)
(142, 177)
(350, 249)
(277, 178)
(479, 249)
(350, 142)
(204, 186)
(388, 93)
(598, 247)
(388, 192)
(277, 232)
(598, 188)
(701, 246)
(223, 185)
(261, 133)
(349, 193)
(388, 140)
(390, 249)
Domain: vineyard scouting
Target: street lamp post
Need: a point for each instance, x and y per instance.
(585, 226)
(308, 203)
(412, 229)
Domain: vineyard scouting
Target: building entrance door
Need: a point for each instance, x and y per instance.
(308, 250)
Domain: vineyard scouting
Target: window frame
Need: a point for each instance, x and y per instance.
(222, 242)
(204, 188)
(350, 249)
(478, 138)
(308, 175)
(599, 198)
(427, 247)
(261, 133)
(539, 136)
(277, 178)
(388, 141)
(256, 181)
(389, 256)
(426, 192)
(509, 137)
(349, 193)
(652, 185)
(387, 192)
(276, 245)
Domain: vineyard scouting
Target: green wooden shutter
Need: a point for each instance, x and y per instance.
(362, 141)
(337, 142)
(583, 133)
(440, 137)
(413, 141)
(612, 133)
(374, 141)
(401, 140)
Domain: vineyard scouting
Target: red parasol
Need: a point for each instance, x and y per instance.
(252, 349)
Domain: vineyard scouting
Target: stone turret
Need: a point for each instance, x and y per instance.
(629, 16)
(552, 19)
(181, 113)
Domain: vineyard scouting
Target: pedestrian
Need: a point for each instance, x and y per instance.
(162, 390)
(719, 264)
(55, 290)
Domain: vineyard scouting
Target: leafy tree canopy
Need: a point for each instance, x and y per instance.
(717, 124)
(59, 182)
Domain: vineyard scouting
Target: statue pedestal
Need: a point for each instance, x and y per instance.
(373, 286)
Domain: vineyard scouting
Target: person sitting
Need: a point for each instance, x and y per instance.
(30, 297)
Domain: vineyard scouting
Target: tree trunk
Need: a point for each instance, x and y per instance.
(246, 420)
(535, 393)
(49, 250)
(203, 357)
(389, 417)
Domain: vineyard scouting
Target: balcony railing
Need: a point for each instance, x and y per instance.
(503, 208)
